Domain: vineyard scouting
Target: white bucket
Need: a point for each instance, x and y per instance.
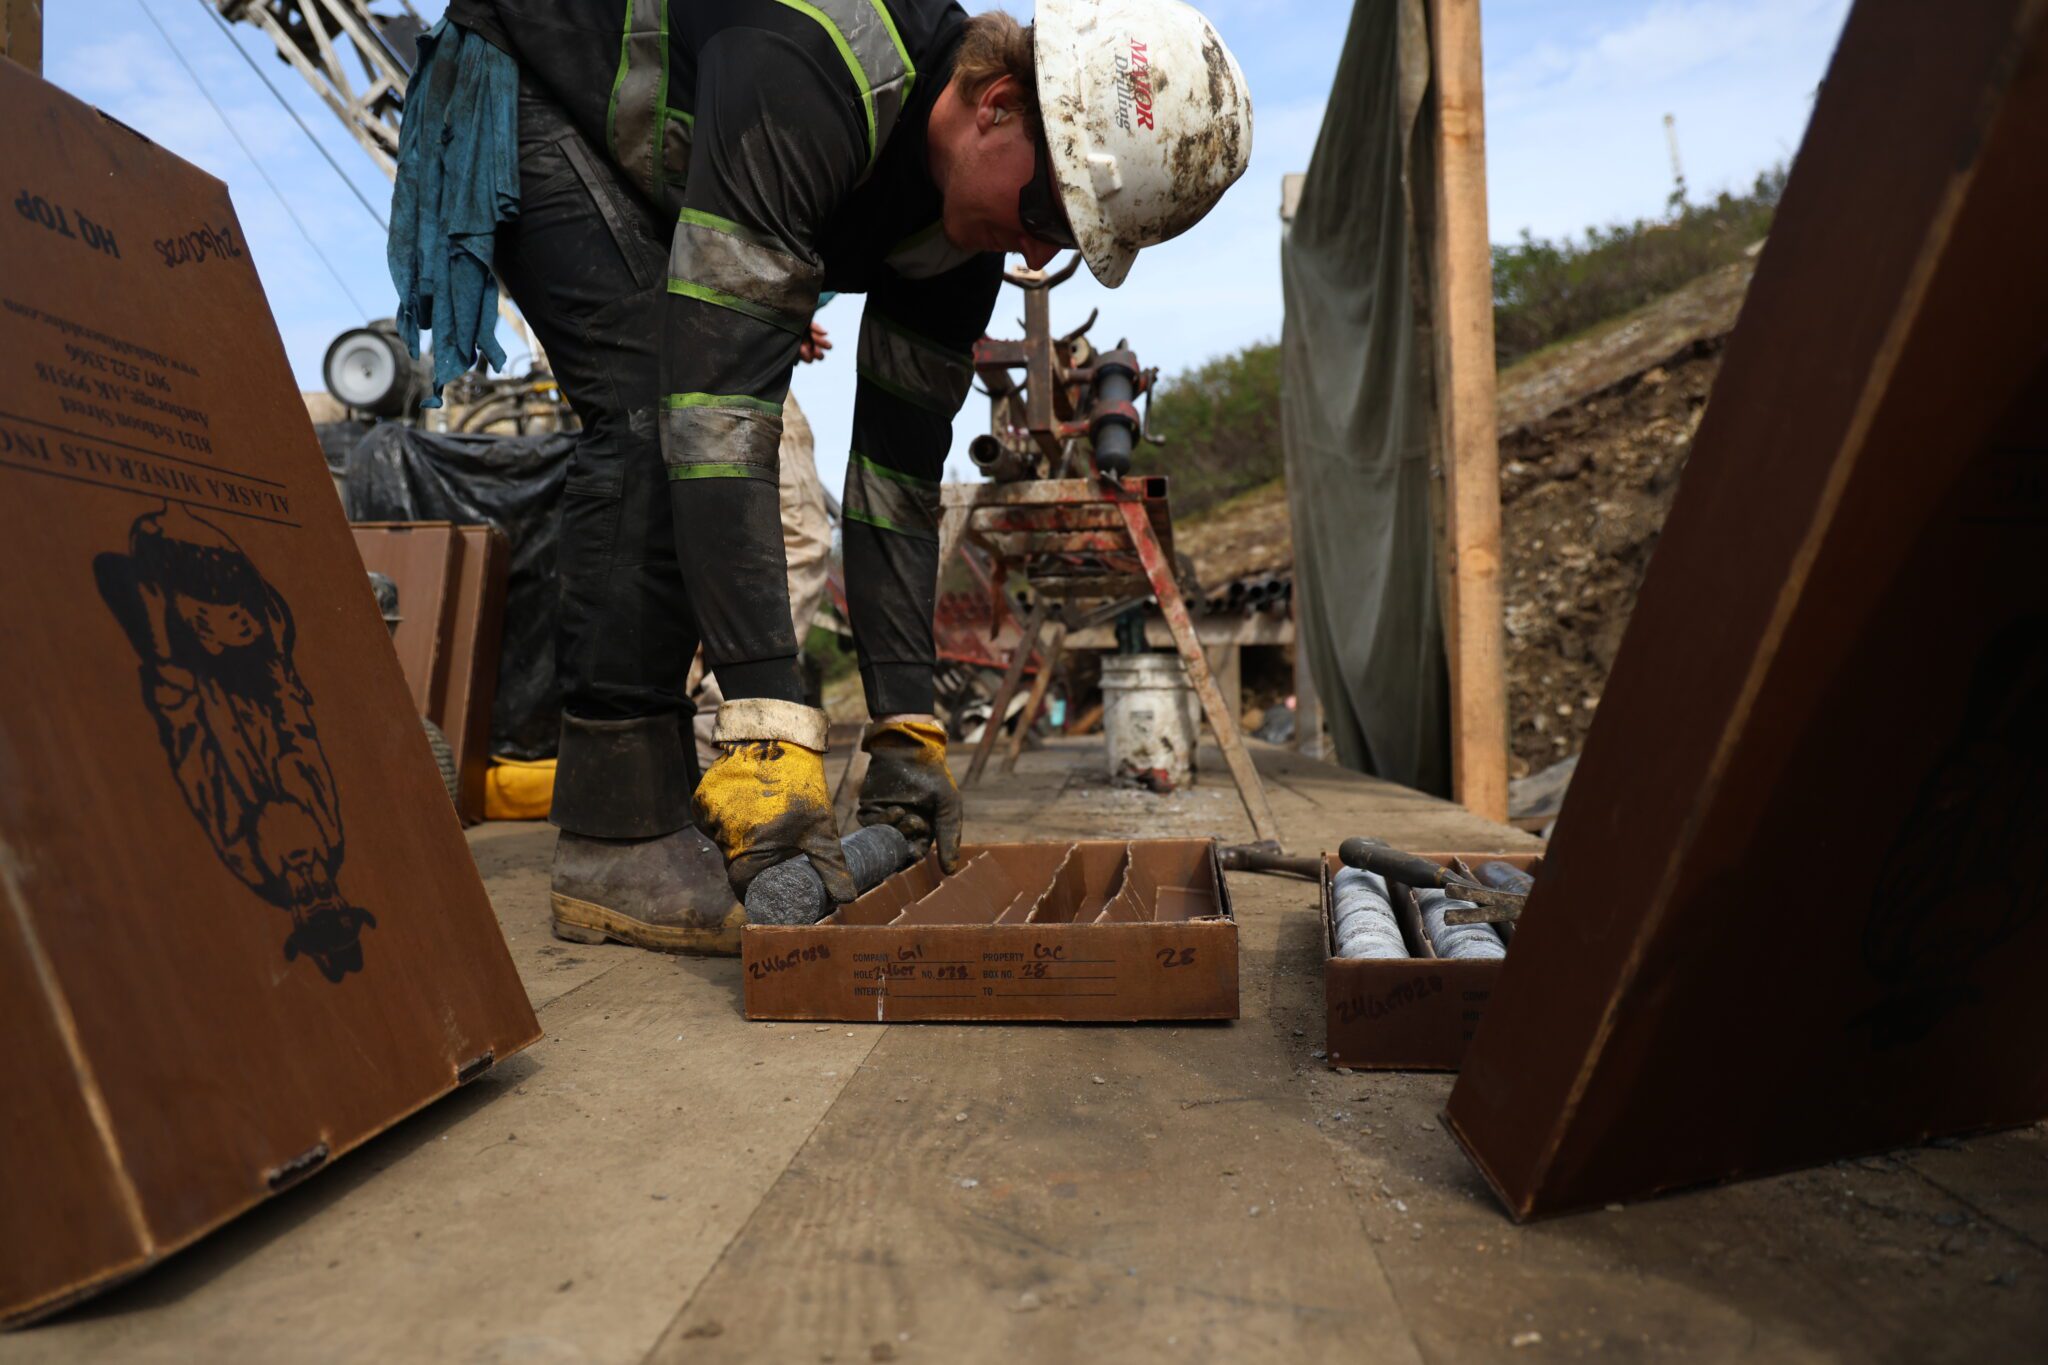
(1149, 717)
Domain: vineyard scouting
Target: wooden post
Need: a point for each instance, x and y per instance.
(1468, 423)
(21, 32)
(1308, 706)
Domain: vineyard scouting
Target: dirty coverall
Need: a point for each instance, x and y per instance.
(807, 549)
(691, 179)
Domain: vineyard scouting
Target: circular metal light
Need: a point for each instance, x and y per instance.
(368, 370)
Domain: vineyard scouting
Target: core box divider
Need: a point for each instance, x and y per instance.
(1051, 931)
(1127, 906)
(979, 886)
(1088, 878)
(886, 901)
(1404, 1014)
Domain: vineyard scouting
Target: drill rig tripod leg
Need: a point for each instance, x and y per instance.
(1036, 701)
(1221, 719)
(1033, 624)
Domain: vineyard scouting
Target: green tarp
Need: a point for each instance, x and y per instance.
(1358, 420)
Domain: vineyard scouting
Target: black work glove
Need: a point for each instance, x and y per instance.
(909, 786)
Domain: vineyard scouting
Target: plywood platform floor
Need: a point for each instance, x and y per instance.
(662, 1180)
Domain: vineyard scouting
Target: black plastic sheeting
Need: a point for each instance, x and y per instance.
(397, 473)
(337, 439)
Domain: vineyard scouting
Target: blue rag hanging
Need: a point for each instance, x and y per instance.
(457, 180)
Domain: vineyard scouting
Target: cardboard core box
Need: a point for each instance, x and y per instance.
(1416, 1013)
(1093, 931)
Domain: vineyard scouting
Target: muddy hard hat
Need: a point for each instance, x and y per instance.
(1147, 121)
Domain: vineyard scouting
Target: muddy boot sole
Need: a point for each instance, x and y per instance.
(581, 921)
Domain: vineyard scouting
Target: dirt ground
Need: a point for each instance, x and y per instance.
(1566, 373)
(1594, 433)
(1584, 494)
(1250, 534)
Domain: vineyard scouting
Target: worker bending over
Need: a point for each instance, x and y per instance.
(689, 177)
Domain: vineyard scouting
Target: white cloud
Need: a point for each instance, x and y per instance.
(1678, 38)
(1575, 127)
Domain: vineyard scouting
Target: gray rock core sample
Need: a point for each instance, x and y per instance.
(1506, 877)
(792, 893)
(1365, 923)
(1470, 941)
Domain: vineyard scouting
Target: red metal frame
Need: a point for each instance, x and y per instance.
(1122, 531)
(1096, 538)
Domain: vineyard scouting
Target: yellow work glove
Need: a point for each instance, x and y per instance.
(909, 786)
(765, 800)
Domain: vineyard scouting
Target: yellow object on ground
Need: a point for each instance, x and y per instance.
(765, 800)
(519, 789)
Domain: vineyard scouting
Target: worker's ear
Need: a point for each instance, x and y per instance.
(1001, 105)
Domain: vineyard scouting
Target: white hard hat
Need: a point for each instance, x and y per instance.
(1147, 120)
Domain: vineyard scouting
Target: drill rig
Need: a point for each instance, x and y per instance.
(1063, 510)
(1073, 404)
(356, 60)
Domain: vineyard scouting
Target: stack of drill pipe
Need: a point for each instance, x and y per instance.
(1469, 941)
(1273, 595)
(1365, 923)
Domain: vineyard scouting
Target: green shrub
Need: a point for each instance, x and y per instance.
(1221, 422)
(1545, 291)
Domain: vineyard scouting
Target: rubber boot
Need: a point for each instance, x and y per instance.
(630, 865)
(669, 893)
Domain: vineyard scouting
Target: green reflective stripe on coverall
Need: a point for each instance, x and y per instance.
(911, 367)
(873, 51)
(644, 131)
(675, 147)
(720, 262)
(640, 128)
(890, 499)
(721, 436)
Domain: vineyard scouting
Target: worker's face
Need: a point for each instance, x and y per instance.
(981, 193)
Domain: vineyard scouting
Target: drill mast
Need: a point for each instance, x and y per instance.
(356, 60)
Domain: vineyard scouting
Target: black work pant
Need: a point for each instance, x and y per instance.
(586, 260)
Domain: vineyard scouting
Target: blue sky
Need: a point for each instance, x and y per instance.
(1576, 95)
